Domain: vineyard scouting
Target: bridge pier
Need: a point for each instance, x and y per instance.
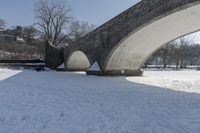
(53, 56)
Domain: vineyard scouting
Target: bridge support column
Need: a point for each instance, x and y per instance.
(53, 56)
(123, 72)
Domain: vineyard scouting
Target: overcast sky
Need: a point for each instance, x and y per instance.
(21, 12)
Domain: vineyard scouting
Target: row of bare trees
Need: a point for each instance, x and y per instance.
(180, 53)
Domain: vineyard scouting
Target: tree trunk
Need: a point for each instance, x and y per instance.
(177, 62)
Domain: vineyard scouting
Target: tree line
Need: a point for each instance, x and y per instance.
(180, 53)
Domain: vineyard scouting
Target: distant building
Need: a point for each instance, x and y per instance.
(14, 32)
(8, 39)
(1, 30)
(20, 40)
(11, 36)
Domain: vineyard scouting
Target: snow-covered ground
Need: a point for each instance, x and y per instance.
(52, 102)
(187, 81)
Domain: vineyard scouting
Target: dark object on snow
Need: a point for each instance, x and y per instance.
(39, 69)
(93, 72)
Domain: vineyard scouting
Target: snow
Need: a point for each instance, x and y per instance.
(62, 66)
(187, 81)
(6, 73)
(95, 67)
(62, 102)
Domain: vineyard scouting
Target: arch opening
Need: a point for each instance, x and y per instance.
(132, 52)
(77, 61)
(183, 53)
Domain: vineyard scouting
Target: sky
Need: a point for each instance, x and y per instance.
(97, 12)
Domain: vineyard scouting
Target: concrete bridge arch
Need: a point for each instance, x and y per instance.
(134, 49)
(77, 61)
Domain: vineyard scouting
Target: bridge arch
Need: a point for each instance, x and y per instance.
(129, 55)
(77, 60)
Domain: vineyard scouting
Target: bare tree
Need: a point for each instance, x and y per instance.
(2, 23)
(29, 33)
(79, 29)
(184, 50)
(176, 54)
(166, 54)
(52, 18)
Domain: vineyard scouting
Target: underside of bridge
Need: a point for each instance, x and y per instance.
(133, 51)
(77, 61)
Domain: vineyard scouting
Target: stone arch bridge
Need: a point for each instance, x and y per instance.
(122, 45)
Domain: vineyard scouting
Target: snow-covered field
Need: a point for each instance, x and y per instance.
(52, 102)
